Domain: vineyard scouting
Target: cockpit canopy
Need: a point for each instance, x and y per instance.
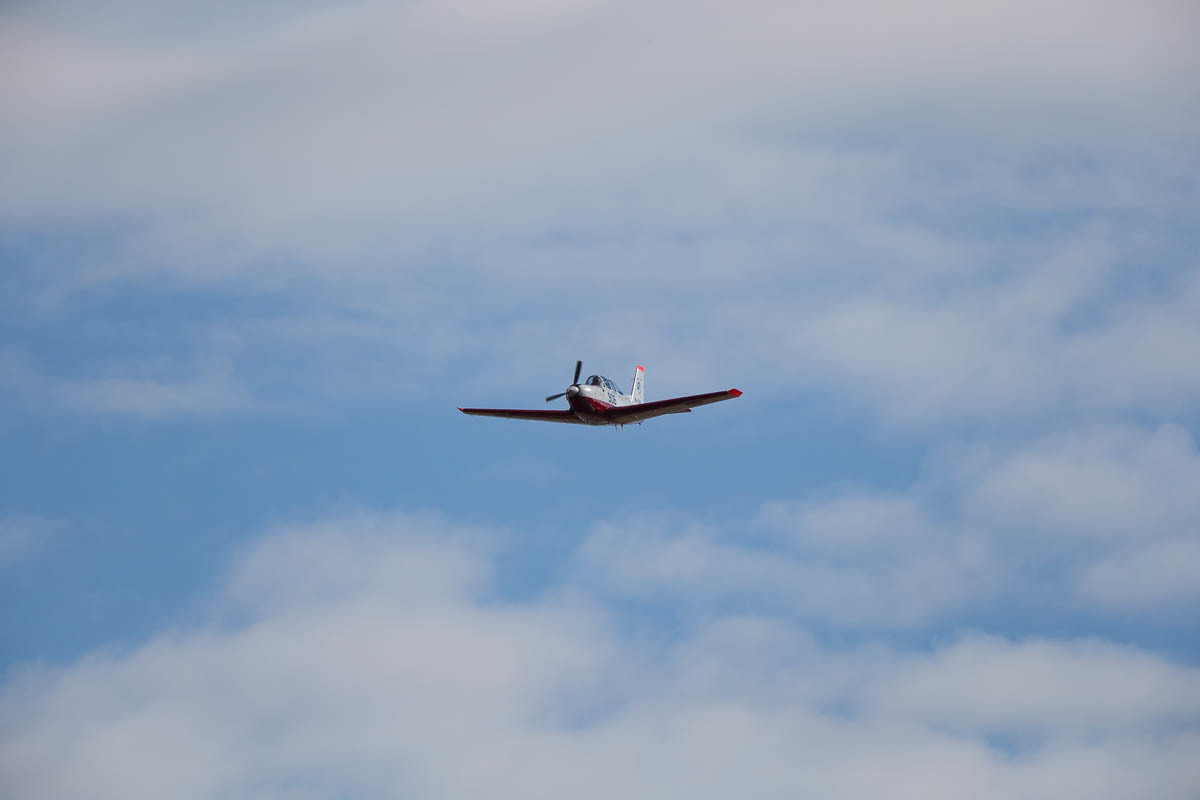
(600, 380)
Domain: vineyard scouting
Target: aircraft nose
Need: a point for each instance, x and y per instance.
(572, 391)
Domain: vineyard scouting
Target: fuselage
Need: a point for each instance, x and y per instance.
(595, 396)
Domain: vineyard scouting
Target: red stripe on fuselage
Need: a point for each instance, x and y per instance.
(589, 409)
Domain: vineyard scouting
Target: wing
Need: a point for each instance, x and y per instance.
(516, 413)
(676, 405)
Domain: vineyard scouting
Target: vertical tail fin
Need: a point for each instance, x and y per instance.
(638, 392)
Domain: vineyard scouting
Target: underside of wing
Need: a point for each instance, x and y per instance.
(675, 405)
(517, 413)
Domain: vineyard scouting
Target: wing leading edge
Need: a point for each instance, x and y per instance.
(622, 415)
(517, 413)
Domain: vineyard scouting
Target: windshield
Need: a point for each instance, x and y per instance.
(600, 380)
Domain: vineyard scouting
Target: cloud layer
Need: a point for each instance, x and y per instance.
(955, 215)
(1101, 524)
(371, 656)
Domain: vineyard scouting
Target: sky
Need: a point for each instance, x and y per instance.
(254, 256)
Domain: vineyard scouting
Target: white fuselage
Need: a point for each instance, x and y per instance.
(590, 399)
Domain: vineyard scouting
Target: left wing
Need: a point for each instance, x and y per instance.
(517, 413)
(676, 405)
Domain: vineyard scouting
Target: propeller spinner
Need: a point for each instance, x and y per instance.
(574, 382)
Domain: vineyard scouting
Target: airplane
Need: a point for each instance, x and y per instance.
(598, 401)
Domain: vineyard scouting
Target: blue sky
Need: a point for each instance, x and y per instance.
(251, 262)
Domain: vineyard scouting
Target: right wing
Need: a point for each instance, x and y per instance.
(516, 413)
(622, 415)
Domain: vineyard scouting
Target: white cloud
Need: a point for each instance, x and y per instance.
(920, 578)
(154, 388)
(1125, 483)
(850, 523)
(988, 684)
(1163, 574)
(327, 130)
(1102, 521)
(374, 659)
(920, 206)
(212, 393)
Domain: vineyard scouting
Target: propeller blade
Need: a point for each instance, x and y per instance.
(575, 380)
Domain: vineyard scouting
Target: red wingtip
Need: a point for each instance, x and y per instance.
(460, 409)
(735, 392)
(643, 369)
